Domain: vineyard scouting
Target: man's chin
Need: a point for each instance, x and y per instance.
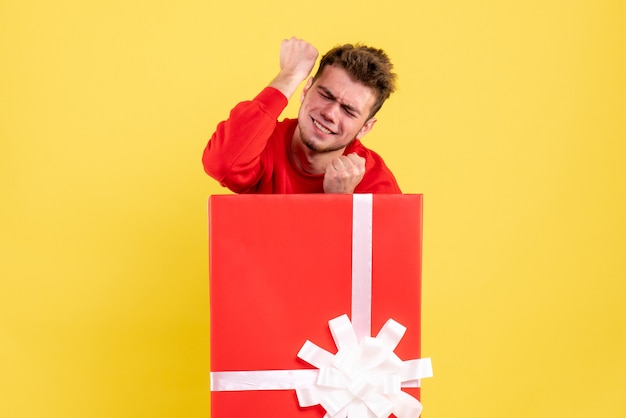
(319, 148)
(312, 146)
(318, 144)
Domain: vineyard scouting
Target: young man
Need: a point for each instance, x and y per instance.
(320, 152)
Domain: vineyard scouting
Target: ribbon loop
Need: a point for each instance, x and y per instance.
(336, 401)
(406, 406)
(391, 333)
(308, 396)
(314, 355)
(371, 353)
(391, 384)
(343, 333)
(416, 369)
(380, 406)
(358, 410)
(332, 378)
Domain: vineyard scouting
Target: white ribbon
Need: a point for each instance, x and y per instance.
(262, 380)
(362, 210)
(363, 379)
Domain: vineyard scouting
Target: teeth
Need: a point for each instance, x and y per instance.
(321, 128)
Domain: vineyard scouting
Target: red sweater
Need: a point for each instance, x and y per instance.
(249, 153)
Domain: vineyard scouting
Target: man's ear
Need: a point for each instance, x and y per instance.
(306, 88)
(366, 128)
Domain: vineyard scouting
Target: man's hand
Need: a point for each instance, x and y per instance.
(344, 173)
(297, 58)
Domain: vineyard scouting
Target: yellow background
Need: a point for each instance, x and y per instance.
(509, 118)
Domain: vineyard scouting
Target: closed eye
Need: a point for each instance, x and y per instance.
(349, 111)
(327, 95)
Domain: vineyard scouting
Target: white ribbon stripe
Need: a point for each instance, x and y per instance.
(262, 380)
(362, 210)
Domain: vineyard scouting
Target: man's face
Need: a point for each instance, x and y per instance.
(335, 110)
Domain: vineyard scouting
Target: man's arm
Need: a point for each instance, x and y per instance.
(232, 155)
(297, 58)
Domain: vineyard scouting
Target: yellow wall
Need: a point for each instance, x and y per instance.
(509, 118)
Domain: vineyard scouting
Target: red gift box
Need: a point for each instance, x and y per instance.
(282, 266)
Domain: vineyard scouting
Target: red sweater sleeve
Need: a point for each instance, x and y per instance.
(233, 154)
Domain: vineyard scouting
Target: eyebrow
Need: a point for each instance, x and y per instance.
(348, 107)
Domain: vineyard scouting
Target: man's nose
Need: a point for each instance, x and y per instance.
(329, 112)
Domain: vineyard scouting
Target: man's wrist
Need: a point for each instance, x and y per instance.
(287, 84)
